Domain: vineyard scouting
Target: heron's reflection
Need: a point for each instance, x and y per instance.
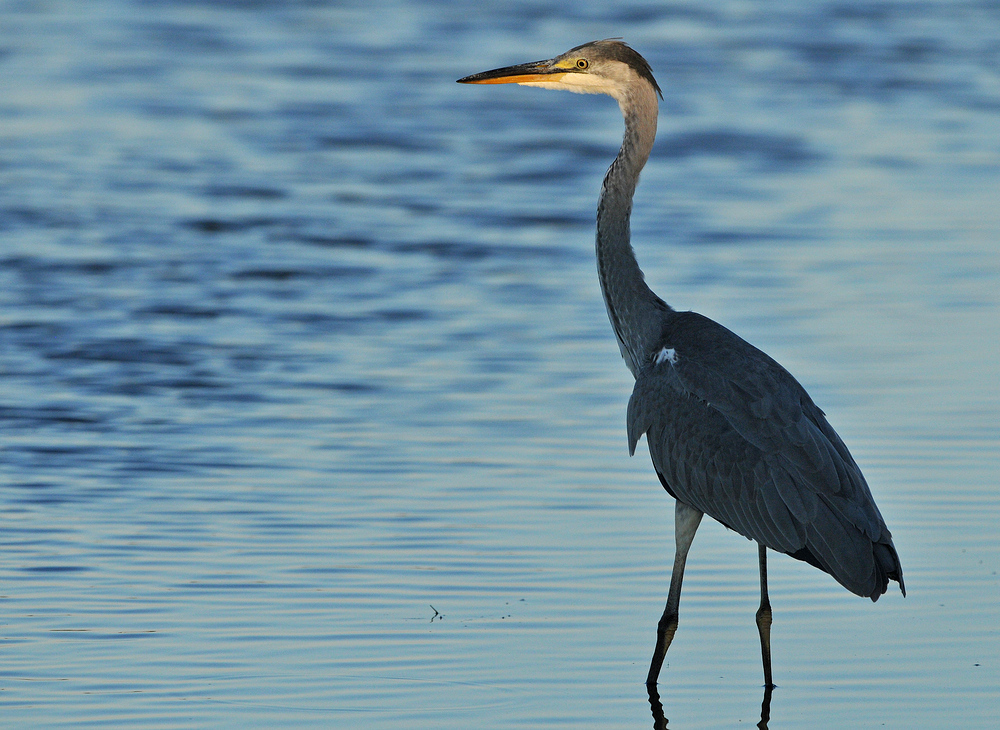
(660, 721)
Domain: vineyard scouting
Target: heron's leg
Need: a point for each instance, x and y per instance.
(686, 521)
(764, 618)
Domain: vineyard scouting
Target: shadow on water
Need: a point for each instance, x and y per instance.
(660, 721)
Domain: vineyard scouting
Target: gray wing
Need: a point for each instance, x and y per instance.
(733, 434)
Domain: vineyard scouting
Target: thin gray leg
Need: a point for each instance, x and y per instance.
(764, 618)
(686, 521)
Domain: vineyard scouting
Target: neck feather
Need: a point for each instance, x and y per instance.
(634, 310)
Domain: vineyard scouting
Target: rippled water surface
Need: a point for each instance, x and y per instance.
(311, 415)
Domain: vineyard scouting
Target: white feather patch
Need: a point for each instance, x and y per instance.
(580, 83)
(667, 354)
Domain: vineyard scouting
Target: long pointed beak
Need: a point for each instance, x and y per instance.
(522, 73)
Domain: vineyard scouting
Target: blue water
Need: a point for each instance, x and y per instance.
(311, 415)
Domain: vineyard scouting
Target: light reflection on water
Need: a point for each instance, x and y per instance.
(300, 339)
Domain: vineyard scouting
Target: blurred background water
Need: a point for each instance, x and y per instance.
(311, 416)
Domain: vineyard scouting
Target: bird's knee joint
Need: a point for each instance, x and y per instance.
(668, 622)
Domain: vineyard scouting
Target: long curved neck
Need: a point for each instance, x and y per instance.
(634, 310)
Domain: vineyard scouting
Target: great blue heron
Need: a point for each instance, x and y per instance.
(731, 432)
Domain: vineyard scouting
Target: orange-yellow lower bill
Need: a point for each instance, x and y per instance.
(518, 79)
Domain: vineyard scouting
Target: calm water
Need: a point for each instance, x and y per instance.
(311, 415)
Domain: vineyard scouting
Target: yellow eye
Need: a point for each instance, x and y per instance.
(582, 63)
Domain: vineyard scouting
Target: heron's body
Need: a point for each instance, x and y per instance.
(731, 433)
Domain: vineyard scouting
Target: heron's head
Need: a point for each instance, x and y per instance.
(600, 67)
